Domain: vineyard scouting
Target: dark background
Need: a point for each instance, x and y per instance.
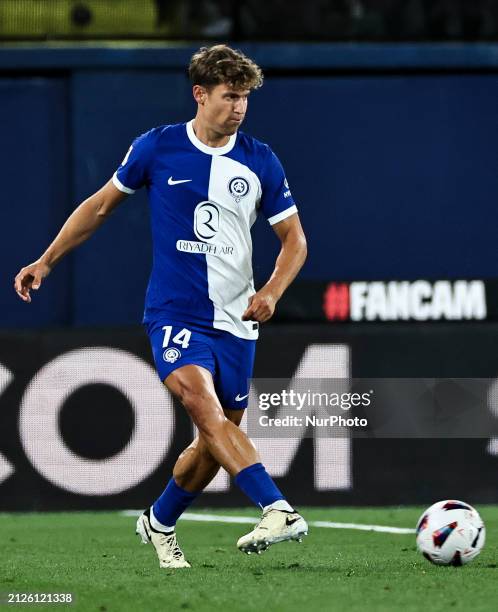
(358, 20)
(97, 420)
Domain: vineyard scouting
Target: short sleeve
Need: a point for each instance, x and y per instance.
(276, 198)
(133, 172)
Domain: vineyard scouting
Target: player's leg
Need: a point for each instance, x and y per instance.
(230, 447)
(235, 359)
(196, 467)
(193, 471)
(233, 450)
(173, 346)
(225, 443)
(193, 386)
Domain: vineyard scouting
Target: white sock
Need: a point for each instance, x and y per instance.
(280, 504)
(159, 526)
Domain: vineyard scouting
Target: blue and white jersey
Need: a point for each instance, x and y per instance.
(203, 202)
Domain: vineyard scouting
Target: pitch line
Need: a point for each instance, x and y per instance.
(219, 518)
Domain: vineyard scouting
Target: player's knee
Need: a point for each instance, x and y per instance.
(204, 409)
(212, 429)
(195, 398)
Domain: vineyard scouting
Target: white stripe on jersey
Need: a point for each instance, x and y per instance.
(283, 215)
(120, 186)
(230, 279)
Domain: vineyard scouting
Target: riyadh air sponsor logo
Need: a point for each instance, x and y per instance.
(206, 221)
(238, 188)
(204, 248)
(419, 300)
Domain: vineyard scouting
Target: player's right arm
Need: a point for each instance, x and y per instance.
(82, 223)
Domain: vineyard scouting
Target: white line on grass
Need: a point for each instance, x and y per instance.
(219, 518)
(361, 527)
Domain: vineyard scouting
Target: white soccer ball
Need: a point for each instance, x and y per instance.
(450, 532)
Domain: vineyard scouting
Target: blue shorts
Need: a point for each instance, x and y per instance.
(229, 359)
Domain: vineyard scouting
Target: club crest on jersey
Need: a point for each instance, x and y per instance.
(170, 355)
(238, 188)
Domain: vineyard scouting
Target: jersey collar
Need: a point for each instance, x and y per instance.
(209, 150)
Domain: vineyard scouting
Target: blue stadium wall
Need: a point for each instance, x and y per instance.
(390, 152)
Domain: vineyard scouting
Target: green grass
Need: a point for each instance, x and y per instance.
(97, 557)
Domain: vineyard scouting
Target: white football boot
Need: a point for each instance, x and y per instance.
(274, 526)
(169, 553)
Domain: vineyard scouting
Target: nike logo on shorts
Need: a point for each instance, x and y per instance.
(239, 398)
(171, 181)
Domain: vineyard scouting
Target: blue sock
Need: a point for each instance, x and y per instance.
(172, 503)
(257, 484)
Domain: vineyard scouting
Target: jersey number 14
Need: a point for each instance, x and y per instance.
(182, 337)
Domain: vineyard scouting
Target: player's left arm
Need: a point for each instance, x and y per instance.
(289, 261)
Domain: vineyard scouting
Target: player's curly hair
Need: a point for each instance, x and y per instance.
(211, 66)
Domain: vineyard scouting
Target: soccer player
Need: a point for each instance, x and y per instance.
(206, 183)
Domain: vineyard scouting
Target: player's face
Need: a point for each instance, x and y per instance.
(225, 108)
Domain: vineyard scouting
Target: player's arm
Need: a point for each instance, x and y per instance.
(289, 261)
(82, 223)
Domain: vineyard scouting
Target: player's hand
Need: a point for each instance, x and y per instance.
(261, 306)
(29, 278)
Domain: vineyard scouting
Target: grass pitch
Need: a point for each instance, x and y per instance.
(97, 557)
